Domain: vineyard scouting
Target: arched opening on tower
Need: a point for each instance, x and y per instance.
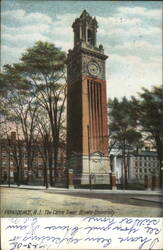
(90, 37)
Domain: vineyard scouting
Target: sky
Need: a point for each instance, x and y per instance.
(130, 31)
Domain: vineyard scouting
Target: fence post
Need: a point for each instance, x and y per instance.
(70, 179)
(148, 182)
(155, 183)
(113, 181)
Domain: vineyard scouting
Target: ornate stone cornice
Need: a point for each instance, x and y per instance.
(95, 52)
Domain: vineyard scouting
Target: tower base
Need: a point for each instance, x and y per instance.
(90, 170)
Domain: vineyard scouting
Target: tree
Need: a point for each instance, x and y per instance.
(44, 66)
(42, 71)
(149, 110)
(45, 145)
(22, 111)
(5, 128)
(123, 133)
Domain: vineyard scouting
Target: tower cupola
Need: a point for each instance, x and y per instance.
(85, 28)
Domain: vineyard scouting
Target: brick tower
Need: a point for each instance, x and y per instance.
(87, 130)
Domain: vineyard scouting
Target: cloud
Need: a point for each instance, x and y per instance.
(23, 17)
(22, 29)
(127, 74)
(141, 11)
(141, 48)
(131, 34)
(26, 37)
(139, 44)
(42, 28)
(62, 28)
(126, 30)
(10, 54)
(31, 27)
(116, 22)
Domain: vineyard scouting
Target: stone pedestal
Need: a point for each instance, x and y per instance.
(86, 170)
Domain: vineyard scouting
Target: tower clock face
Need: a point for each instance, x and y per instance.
(93, 68)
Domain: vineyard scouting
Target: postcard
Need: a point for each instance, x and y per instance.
(80, 125)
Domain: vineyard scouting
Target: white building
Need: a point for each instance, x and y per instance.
(144, 163)
(138, 165)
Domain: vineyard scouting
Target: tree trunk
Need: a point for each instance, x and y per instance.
(29, 163)
(46, 181)
(55, 161)
(50, 164)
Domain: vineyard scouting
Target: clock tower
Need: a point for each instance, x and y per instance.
(87, 129)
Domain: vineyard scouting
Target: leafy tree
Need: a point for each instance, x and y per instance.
(123, 131)
(149, 110)
(44, 66)
(39, 80)
(22, 110)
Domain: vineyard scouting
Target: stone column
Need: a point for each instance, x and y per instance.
(70, 179)
(86, 34)
(80, 33)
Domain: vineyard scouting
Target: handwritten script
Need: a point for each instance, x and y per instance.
(82, 233)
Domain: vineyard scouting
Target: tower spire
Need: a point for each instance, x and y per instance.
(85, 28)
(84, 14)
